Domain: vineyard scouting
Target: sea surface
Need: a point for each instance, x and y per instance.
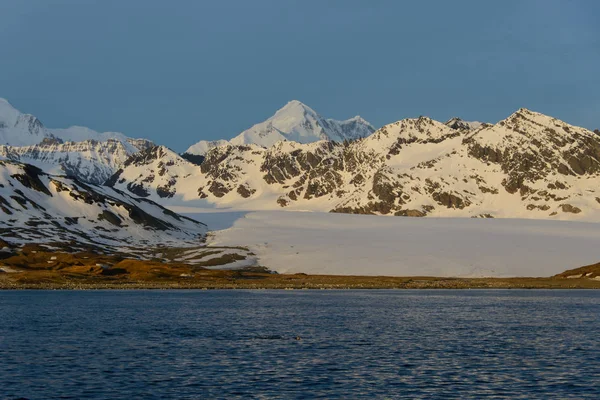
(300, 344)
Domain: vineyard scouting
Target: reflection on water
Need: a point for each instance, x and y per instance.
(282, 344)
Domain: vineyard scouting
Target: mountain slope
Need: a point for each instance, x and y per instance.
(294, 122)
(527, 166)
(39, 208)
(89, 161)
(77, 151)
(160, 167)
(19, 129)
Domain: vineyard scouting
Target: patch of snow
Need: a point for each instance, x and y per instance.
(343, 244)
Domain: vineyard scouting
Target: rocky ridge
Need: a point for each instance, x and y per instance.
(527, 166)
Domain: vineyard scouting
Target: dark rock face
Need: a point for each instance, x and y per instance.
(31, 179)
(165, 191)
(244, 191)
(568, 208)
(450, 200)
(218, 189)
(137, 189)
(110, 217)
(484, 153)
(409, 213)
(141, 217)
(6, 207)
(146, 157)
(114, 178)
(213, 159)
(282, 201)
(193, 158)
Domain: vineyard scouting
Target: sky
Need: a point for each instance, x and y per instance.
(181, 71)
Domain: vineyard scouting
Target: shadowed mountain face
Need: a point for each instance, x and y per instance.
(39, 208)
(529, 165)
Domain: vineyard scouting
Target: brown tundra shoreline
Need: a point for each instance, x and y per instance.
(215, 279)
(83, 271)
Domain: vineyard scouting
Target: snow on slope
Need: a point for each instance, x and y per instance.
(342, 244)
(18, 129)
(81, 133)
(90, 160)
(203, 146)
(526, 166)
(165, 169)
(39, 208)
(294, 122)
(88, 155)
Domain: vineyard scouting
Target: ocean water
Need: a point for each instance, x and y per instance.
(300, 344)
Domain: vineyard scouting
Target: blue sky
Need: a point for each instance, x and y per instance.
(181, 71)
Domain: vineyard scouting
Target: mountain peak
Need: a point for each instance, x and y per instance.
(295, 109)
(524, 114)
(358, 118)
(8, 114)
(295, 122)
(293, 103)
(3, 101)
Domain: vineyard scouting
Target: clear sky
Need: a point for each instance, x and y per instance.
(184, 70)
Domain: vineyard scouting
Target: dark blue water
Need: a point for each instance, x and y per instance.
(354, 344)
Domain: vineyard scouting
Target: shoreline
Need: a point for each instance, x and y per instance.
(235, 280)
(36, 268)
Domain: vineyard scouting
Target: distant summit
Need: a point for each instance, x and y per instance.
(294, 122)
(76, 151)
(19, 129)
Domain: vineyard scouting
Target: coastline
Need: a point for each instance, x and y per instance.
(40, 269)
(220, 279)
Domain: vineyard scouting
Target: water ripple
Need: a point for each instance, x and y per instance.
(286, 345)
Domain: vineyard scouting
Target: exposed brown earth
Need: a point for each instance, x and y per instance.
(589, 272)
(37, 268)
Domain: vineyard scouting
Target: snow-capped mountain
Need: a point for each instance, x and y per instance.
(294, 122)
(90, 161)
(529, 166)
(17, 129)
(36, 207)
(77, 151)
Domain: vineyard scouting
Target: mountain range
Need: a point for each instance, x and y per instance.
(75, 151)
(528, 165)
